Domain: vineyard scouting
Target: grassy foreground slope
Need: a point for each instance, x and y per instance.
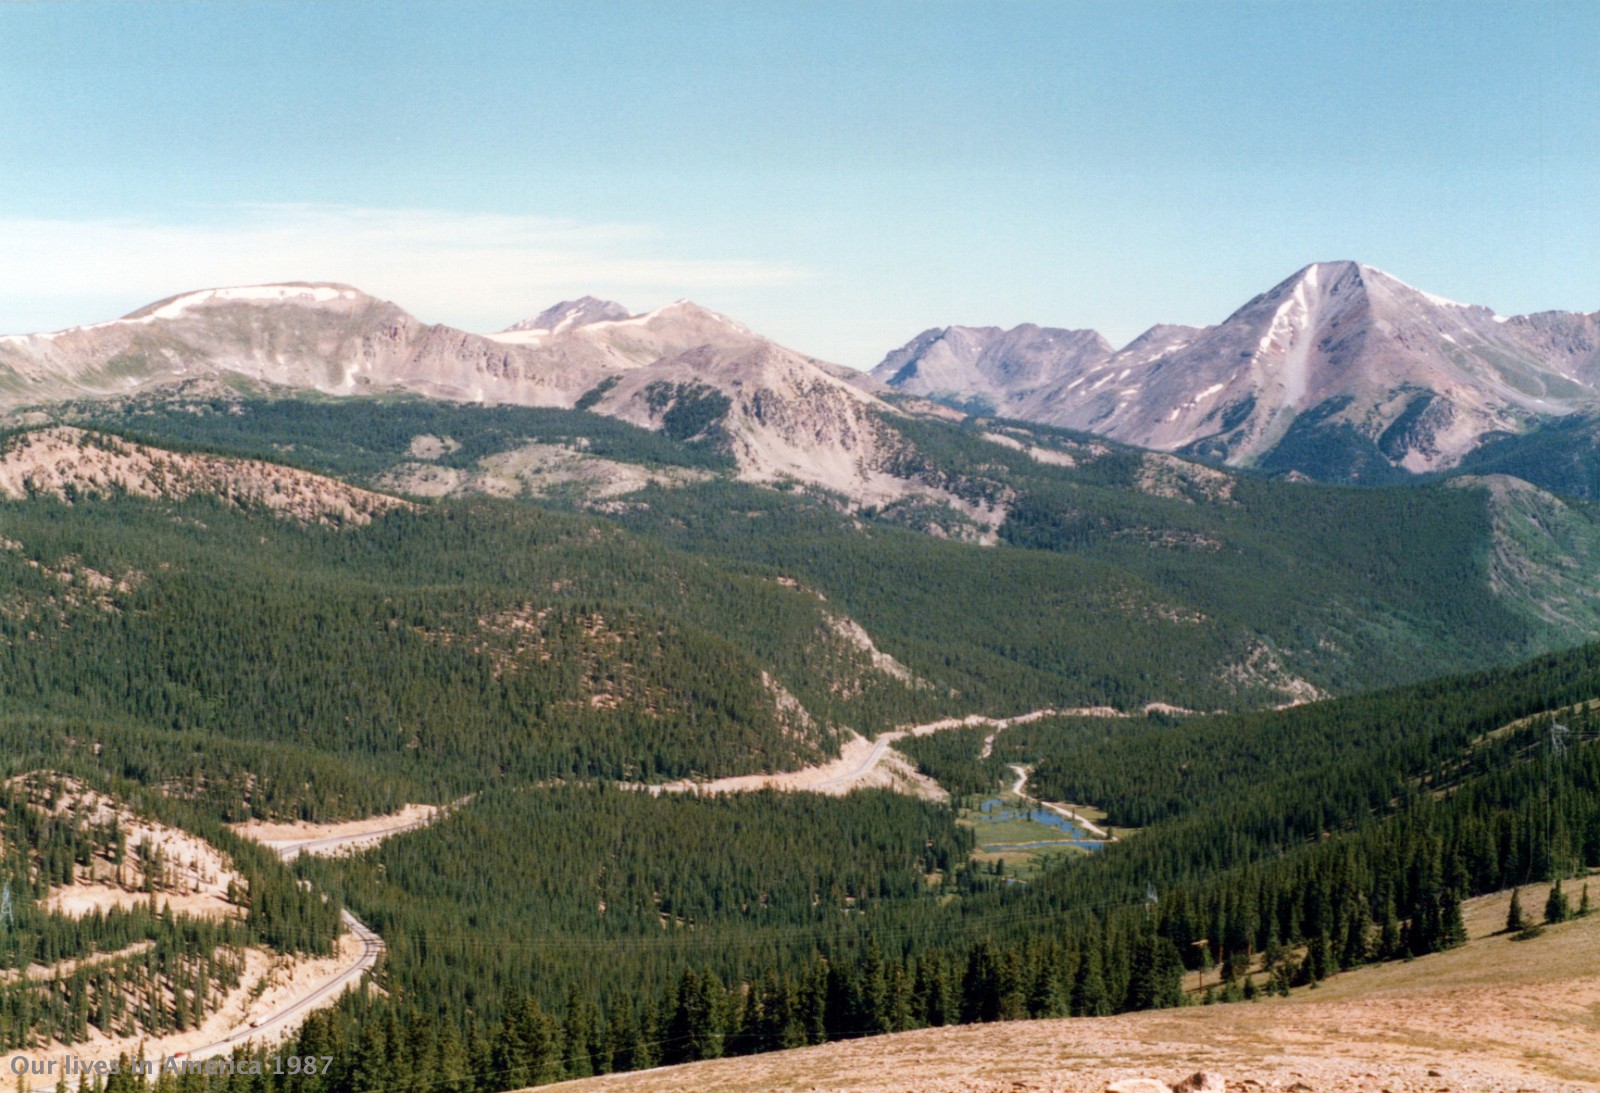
(1494, 1015)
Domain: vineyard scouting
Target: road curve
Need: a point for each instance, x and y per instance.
(880, 748)
(288, 1015)
(290, 849)
(828, 777)
(1060, 810)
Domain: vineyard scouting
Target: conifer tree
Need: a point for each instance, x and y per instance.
(645, 1052)
(1453, 933)
(622, 1032)
(1316, 967)
(1556, 908)
(1514, 919)
(876, 1003)
(1390, 941)
(814, 1002)
(1089, 997)
(931, 993)
(981, 986)
(1049, 997)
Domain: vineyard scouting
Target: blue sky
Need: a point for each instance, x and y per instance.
(838, 176)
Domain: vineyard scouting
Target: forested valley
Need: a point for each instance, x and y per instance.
(547, 665)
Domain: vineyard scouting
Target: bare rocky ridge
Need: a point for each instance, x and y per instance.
(999, 370)
(1341, 370)
(66, 463)
(538, 470)
(681, 368)
(782, 417)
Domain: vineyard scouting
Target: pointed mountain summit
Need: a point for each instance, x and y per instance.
(1339, 371)
(572, 313)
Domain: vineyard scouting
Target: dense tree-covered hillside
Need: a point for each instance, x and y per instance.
(439, 647)
(1185, 583)
(717, 949)
(230, 662)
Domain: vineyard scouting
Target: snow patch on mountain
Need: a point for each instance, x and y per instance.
(569, 314)
(1340, 370)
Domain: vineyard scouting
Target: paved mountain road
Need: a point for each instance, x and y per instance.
(290, 849)
(286, 1016)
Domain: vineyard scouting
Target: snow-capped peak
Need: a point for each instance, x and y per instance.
(1431, 297)
(683, 308)
(175, 307)
(285, 293)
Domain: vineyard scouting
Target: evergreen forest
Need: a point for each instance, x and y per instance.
(553, 669)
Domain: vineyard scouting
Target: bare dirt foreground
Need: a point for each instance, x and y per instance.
(1496, 1016)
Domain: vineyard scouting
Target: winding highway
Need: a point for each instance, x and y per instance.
(288, 1015)
(290, 849)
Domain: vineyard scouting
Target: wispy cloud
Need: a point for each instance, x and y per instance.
(477, 270)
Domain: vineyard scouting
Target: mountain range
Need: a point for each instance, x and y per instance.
(285, 552)
(680, 368)
(1341, 371)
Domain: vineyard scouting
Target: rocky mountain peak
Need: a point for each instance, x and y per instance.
(989, 367)
(1341, 370)
(573, 313)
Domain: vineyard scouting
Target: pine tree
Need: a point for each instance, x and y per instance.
(876, 1003)
(1583, 901)
(981, 985)
(682, 1019)
(1556, 908)
(1049, 997)
(1013, 986)
(696, 1030)
(1390, 941)
(1089, 998)
(931, 993)
(644, 1052)
(1514, 919)
(814, 1002)
(1454, 927)
(1315, 969)
(899, 998)
(622, 1032)
(578, 1035)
